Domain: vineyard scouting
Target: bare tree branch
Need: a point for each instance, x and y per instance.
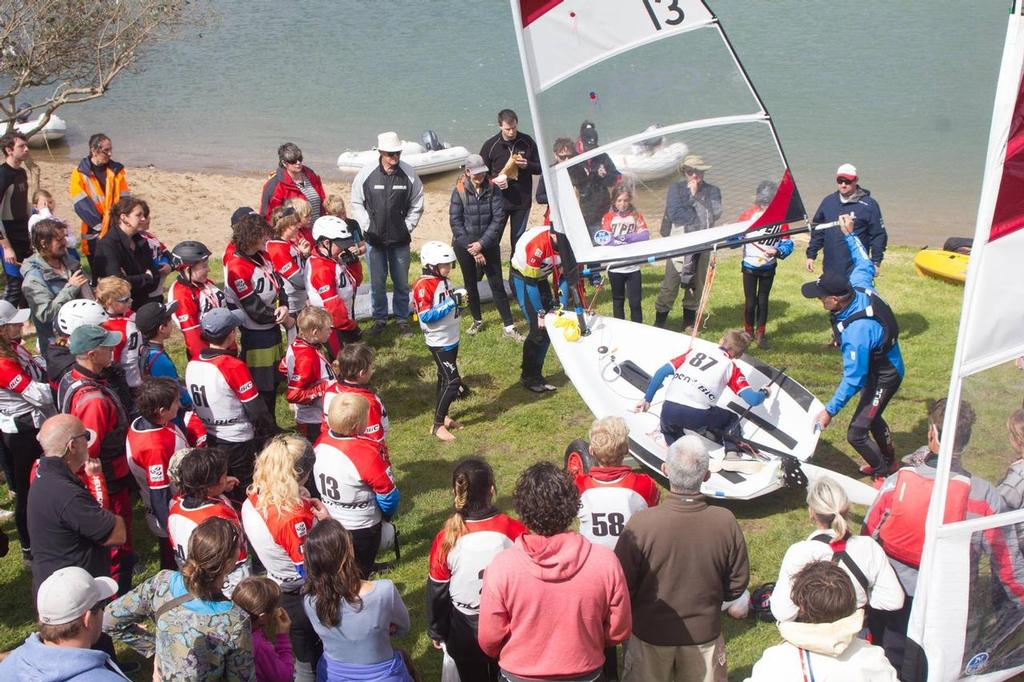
(75, 50)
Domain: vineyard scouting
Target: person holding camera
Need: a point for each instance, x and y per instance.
(437, 307)
(51, 277)
(333, 274)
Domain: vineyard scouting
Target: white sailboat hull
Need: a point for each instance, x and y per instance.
(422, 161)
(650, 165)
(54, 130)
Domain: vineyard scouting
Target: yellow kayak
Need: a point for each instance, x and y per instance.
(945, 265)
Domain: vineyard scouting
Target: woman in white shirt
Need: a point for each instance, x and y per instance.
(860, 556)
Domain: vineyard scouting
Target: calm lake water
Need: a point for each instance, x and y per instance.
(901, 89)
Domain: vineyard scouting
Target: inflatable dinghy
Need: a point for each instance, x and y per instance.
(945, 265)
(54, 130)
(611, 367)
(426, 159)
(646, 163)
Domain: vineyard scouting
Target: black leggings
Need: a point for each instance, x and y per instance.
(868, 433)
(21, 450)
(449, 383)
(624, 283)
(306, 644)
(365, 545)
(471, 275)
(757, 285)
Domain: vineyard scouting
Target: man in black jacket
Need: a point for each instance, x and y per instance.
(387, 201)
(517, 193)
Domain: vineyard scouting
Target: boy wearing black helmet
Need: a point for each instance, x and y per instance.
(193, 292)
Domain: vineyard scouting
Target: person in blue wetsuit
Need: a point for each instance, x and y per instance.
(872, 363)
(698, 380)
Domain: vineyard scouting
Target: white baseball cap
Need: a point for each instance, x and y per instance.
(11, 315)
(69, 592)
(848, 171)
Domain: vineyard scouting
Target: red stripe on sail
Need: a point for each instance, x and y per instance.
(1008, 216)
(785, 207)
(535, 9)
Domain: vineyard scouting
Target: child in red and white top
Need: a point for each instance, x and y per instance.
(610, 493)
(115, 295)
(288, 252)
(460, 553)
(202, 479)
(437, 306)
(193, 291)
(152, 440)
(161, 255)
(333, 274)
(308, 371)
(354, 369)
(623, 224)
(354, 478)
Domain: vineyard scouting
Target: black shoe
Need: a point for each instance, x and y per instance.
(404, 330)
(535, 385)
(660, 319)
(130, 667)
(376, 328)
(689, 319)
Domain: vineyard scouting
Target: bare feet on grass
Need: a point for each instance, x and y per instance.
(451, 424)
(443, 434)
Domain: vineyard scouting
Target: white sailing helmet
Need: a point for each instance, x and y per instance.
(74, 314)
(330, 227)
(436, 253)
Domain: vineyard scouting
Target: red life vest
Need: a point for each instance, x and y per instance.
(901, 528)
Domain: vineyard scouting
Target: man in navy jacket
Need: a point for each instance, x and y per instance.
(852, 199)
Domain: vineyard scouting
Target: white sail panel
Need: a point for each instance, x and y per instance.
(562, 37)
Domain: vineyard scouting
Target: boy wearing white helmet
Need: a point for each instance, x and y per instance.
(70, 317)
(437, 307)
(333, 274)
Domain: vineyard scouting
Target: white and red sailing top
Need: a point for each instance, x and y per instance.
(354, 479)
(277, 538)
(535, 256)
(609, 496)
(185, 516)
(127, 353)
(195, 430)
(149, 449)
(23, 387)
(193, 302)
(436, 310)
(219, 383)
(376, 421)
(288, 262)
(332, 286)
(246, 276)
(309, 374)
(462, 567)
(700, 378)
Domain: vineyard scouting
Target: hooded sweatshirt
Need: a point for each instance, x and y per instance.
(824, 652)
(521, 625)
(40, 662)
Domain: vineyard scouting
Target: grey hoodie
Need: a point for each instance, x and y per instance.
(34, 661)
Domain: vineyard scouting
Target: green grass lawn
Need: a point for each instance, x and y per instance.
(511, 428)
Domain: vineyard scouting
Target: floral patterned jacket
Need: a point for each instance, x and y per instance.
(197, 640)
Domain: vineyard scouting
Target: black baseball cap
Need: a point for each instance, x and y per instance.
(241, 212)
(151, 316)
(829, 284)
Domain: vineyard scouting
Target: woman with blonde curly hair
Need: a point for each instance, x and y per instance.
(277, 516)
(199, 634)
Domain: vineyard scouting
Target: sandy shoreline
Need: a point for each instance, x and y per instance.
(199, 205)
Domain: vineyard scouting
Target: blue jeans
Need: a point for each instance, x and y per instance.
(393, 259)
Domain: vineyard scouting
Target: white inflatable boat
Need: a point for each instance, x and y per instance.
(648, 164)
(612, 366)
(425, 159)
(54, 130)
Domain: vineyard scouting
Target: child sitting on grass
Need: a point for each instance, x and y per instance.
(260, 597)
(308, 371)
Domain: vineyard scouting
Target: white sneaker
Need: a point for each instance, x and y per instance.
(513, 333)
(475, 327)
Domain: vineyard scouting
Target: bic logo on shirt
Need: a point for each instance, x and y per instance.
(300, 529)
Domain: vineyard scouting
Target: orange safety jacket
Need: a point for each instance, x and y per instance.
(93, 201)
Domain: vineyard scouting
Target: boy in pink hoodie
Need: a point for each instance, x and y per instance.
(551, 572)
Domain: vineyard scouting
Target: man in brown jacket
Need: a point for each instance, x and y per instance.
(682, 560)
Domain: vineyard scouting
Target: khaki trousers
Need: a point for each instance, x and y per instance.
(670, 285)
(696, 663)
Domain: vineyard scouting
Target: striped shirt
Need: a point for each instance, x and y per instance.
(311, 196)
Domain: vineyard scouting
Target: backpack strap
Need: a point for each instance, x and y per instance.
(169, 605)
(840, 555)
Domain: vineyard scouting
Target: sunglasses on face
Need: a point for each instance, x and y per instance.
(391, 153)
(294, 161)
(845, 181)
(692, 171)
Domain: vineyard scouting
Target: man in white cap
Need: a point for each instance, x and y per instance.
(387, 201)
(852, 199)
(70, 605)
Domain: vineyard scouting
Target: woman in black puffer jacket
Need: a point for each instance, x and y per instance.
(477, 217)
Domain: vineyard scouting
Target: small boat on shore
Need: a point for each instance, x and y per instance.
(648, 164)
(945, 265)
(426, 159)
(54, 130)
